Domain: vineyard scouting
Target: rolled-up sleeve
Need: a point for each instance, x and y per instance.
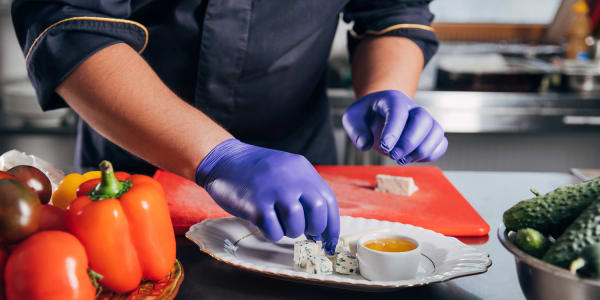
(57, 36)
(406, 18)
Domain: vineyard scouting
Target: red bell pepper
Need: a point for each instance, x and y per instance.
(125, 228)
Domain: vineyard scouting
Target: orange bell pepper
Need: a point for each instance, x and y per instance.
(125, 228)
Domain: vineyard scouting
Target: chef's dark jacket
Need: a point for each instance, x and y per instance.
(258, 68)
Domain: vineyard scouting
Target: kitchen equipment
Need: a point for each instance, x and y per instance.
(490, 72)
(580, 76)
(19, 107)
(437, 205)
(443, 258)
(540, 280)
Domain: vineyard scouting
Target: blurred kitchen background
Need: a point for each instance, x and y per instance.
(515, 84)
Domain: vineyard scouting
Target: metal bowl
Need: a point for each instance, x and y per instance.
(541, 280)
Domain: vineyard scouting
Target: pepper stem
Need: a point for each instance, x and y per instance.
(109, 186)
(95, 277)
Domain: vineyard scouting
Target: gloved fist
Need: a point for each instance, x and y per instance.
(393, 124)
(279, 192)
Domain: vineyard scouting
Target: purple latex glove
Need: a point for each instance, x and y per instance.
(393, 124)
(279, 192)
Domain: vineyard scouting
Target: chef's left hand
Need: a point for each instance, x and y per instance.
(392, 123)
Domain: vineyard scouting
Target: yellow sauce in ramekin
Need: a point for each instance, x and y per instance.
(390, 245)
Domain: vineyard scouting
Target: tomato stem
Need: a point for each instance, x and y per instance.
(109, 186)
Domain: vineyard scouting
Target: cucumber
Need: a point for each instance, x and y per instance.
(583, 232)
(532, 242)
(553, 212)
(588, 263)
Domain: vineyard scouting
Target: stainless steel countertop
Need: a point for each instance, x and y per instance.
(490, 193)
(474, 112)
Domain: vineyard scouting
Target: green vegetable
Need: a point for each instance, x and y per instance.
(584, 231)
(553, 212)
(532, 242)
(588, 263)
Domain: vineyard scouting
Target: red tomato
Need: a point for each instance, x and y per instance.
(49, 265)
(52, 218)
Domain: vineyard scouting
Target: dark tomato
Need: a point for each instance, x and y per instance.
(34, 179)
(20, 211)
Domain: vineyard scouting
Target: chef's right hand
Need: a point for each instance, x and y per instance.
(279, 192)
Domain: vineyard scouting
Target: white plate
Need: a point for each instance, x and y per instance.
(443, 258)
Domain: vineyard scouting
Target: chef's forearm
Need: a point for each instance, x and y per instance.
(385, 63)
(120, 96)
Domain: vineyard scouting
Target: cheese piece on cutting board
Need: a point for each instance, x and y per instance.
(404, 186)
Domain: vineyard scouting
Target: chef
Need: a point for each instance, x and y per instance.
(232, 94)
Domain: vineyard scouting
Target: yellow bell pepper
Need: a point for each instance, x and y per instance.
(67, 189)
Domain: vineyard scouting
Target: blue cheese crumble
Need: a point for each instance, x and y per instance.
(310, 257)
(304, 250)
(346, 263)
(319, 265)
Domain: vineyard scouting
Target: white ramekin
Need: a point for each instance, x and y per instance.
(387, 266)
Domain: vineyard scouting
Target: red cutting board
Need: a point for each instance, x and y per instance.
(437, 205)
